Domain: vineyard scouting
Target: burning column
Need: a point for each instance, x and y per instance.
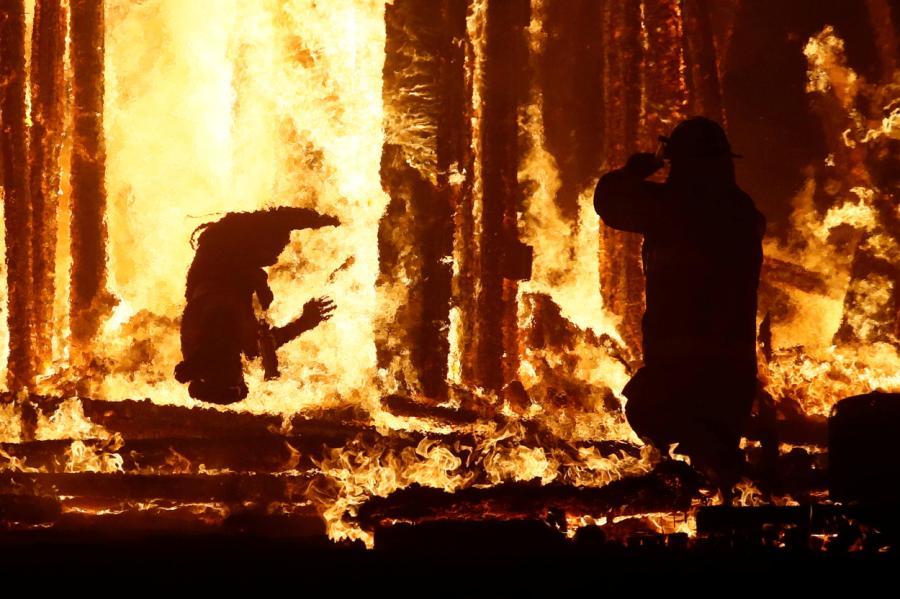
(89, 297)
(17, 197)
(502, 258)
(704, 90)
(48, 103)
(451, 170)
(423, 161)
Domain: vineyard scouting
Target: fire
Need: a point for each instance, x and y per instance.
(68, 422)
(255, 107)
(841, 339)
(216, 106)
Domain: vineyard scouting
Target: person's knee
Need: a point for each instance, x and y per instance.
(648, 423)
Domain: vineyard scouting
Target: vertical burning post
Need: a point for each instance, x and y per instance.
(427, 147)
(702, 75)
(501, 264)
(17, 196)
(90, 299)
(48, 104)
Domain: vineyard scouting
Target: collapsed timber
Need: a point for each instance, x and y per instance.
(136, 465)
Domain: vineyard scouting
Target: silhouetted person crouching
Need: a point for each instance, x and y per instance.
(702, 254)
(219, 324)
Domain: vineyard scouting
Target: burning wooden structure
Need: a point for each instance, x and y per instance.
(486, 320)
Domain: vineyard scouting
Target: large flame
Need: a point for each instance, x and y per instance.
(224, 106)
(215, 106)
(813, 364)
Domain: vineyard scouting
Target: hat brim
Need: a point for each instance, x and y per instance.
(665, 139)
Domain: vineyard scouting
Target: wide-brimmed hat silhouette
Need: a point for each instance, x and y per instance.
(697, 137)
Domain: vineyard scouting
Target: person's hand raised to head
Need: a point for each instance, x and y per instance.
(644, 164)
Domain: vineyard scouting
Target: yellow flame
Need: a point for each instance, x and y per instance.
(93, 457)
(216, 106)
(68, 422)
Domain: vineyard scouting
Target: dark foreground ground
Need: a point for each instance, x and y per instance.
(437, 558)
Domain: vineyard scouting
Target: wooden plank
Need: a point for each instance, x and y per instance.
(194, 488)
(670, 487)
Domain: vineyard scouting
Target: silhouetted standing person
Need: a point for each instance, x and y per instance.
(219, 324)
(702, 254)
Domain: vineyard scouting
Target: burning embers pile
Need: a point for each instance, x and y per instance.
(482, 336)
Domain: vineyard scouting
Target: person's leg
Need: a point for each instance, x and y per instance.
(216, 369)
(720, 407)
(651, 409)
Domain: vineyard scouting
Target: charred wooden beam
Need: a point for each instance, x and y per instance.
(668, 488)
(495, 344)
(146, 420)
(28, 509)
(719, 519)
(722, 17)
(48, 100)
(103, 516)
(142, 419)
(183, 455)
(179, 455)
(455, 176)
(112, 520)
(465, 249)
(305, 433)
(404, 406)
(230, 488)
(90, 299)
(665, 99)
(836, 520)
(17, 195)
(428, 143)
(704, 89)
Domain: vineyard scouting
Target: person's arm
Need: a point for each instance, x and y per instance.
(302, 218)
(314, 312)
(624, 200)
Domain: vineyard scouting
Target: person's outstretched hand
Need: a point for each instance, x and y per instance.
(317, 310)
(644, 164)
